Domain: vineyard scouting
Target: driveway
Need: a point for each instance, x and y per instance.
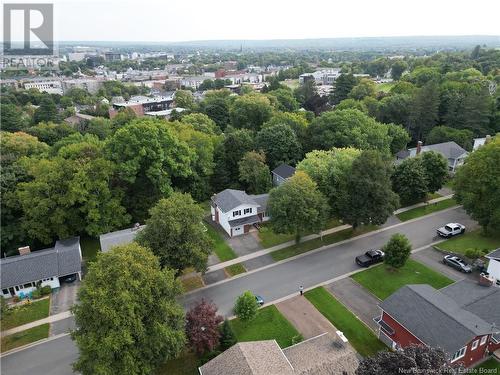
(245, 244)
(361, 302)
(64, 297)
(304, 316)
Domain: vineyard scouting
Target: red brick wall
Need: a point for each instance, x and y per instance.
(401, 335)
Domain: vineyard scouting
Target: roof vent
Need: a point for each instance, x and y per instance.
(24, 250)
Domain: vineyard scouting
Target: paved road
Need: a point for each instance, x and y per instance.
(275, 282)
(284, 279)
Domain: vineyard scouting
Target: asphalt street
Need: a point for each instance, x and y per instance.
(55, 357)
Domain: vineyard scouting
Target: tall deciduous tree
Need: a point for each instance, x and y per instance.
(369, 198)
(343, 86)
(184, 99)
(424, 110)
(254, 173)
(176, 234)
(297, 206)
(436, 170)
(286, 100)
(477, 186)
(47, 111)
(398, 68)
(440, 134)
(365, 87)
(280, 144)
(397, 250)
(250, 111)
(128, 320)
(202, 327)
(409, 181)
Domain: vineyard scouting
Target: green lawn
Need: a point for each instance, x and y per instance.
(192, 283)
(269, 239)
(433, 196)
(25, 337)
(384, 87)
(90, 247)
(221, 248)
(186, 364)
(382, 281)
(490, 364)
(267, 325)
(472, 240)
(303, 247)
(26, 314)
(358, 334)
(425, 210)
(235, 269)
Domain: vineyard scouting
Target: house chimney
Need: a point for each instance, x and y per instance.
(487, 139)
(24, 250)
(419, 147)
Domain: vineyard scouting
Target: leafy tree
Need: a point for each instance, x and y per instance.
(176, 234)
(297, 121)
(477, 109)
(424, 111)
(128, 320)
(254, 173)
(207, 84)
(412, 359)
(184, 99)
(280, 144)
(369, 198)
(422, 75)
(476, 185)
(50, 133)
(343, 86)
(123, 117)
(101, 127)
(227, 337)
(398, 68)
(250, 111)
(397, 250)
(399, 138)
(436, 170)
(365, 87)
(286, 100)
(246, 306)
(46, 112)
(351, 104)
(202, 327)
(201, 123)
(395, 108)
(297, 206)
(12, 118)
(308, 97)
(440, 134)
(148, 155)
(409, 181)
(216, 106)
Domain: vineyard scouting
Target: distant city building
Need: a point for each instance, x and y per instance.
(141, 105)
(321, 77)
(50, 86)
(112, 56)
(90, 85)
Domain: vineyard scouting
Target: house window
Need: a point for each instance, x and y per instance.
(236, 213)
(5, 291)
(483, 340)
(459, 354)
(475, 344)
(247, 210)
(29, 285)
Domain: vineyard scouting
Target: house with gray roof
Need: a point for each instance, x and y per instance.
(282, 173)
(119, 237)
(238, 212)
(455, 154)
(460, 319)
(21, 274)
(325, 354)
(494, 265)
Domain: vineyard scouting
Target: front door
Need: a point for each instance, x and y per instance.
(246, 229)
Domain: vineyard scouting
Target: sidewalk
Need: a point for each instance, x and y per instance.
(49, 319)
(259, 253)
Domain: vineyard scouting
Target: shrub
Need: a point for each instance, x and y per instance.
(246, 306)
(297, 338)
(397, 250)
(46, 290)
(473, 253)
(227, 337)
(36, 294)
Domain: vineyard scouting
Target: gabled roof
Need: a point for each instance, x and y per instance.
(433, 317)
(119, 237)
(261, 200)
(228, 199)
(61, 260)
(449, 150)
(284, 171)
(495, 254)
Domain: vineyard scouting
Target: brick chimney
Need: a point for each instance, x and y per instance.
(24, 250)
(487, 139)
(419, 147)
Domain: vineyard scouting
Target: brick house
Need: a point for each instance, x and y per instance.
(461, 319)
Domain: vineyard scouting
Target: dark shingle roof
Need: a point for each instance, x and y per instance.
(261, 200)
(494, 254)
(434, 317)
(228, 199)
(244, 220)
(284, 171)
(449, 150)
(63, 259)
(119, 237)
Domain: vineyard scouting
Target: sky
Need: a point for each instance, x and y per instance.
(185, 20)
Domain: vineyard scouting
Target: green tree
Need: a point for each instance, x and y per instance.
(127, 317)
(440, 134)
(351, 104)
(297, 121)
(399, 138)
(12, 118)
(184, 99)
(250, 111)
(246, 306)
(201, 123)
(409, 181)
(176, 234)
(216, 106)
(286, 100)
(50, 133)
(436, 170)
(476, 185)
(308, 97)
(424, 110)
(254, 173)
(398, 68)
(395, 108)
(365, 87)
(280, 144)
(343, 86)
(297, 206)
(397, 250)
(369, 198)
(227, 337)
(123, 117)
(46, 112)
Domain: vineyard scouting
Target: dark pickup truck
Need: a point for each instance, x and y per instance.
(370, 257)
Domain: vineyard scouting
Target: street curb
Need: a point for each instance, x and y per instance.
(32, 344)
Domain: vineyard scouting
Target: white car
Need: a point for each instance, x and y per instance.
(450, 230)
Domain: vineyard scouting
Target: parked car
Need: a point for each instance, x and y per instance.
(68, 278)
(370, 257)
(259, 300)
(450, 230)
(457, 263)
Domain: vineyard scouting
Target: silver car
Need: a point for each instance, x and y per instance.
(457, 263)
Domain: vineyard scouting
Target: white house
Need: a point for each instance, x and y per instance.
(237, 212)
(21, 274)
(494, 265)
(478, 142)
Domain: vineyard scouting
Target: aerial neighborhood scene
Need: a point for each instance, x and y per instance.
(250, 188)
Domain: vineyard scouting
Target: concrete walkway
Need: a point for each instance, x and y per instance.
(305, 317)
(259, 253)
(49, 319)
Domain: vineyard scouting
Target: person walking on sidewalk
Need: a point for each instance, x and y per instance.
(301, 289)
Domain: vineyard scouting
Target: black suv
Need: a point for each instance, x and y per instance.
(370, 257)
